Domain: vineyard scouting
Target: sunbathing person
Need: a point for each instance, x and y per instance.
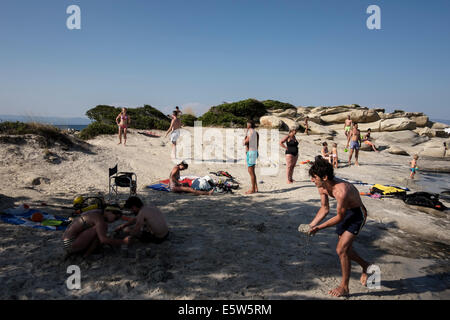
(177, 187)
(366, 139)
(149, 225)
(89, 229)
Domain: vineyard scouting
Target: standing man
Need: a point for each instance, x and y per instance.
(354, 139)
(348, 125)
(174, 128)
(351, 217)
(251, 143)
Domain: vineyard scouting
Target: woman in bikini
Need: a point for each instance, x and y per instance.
(123, 125)
(366, 139)
(90, 229)
(291, 153)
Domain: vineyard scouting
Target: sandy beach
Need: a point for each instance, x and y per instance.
(226, 246)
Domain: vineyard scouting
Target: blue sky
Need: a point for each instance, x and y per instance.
(201, 53)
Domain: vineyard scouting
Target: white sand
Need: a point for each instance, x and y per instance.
(223, 246)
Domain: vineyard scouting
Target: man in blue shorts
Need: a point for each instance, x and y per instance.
(351, 217)
(354, 138)
(251, 143)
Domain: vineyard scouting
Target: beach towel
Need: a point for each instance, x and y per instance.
(21, 216)
(160, 186)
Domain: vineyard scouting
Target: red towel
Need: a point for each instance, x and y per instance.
(188, 181)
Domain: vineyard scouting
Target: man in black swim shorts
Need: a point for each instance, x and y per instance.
(351, 217)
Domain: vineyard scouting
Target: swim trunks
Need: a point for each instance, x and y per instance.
(251, 158)
(353, 222)
(354, 145)
(149, 237)
(175, 135)
(348, 128)
(413, 170)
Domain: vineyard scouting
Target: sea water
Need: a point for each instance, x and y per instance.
(433, 182)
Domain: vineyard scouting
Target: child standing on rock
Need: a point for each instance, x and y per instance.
(413, 166)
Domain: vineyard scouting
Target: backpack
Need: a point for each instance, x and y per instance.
(388, 191)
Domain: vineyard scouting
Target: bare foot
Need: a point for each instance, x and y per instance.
(356, 164)
(339, 292)
(211, 192)
(289, 182)
(250, 192)
(363, 278)
(120, 142)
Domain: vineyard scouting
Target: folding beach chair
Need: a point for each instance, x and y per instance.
(121, 180)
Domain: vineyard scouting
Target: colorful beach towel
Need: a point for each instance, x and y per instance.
(22, 217)
(159, 187)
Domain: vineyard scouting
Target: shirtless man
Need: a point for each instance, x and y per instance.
(174, 129)
(251, 143)
(149, 225)
(306, 125)
(351, 217)
(348, 125)
(177, 187)
(89, 229)
(354, 139)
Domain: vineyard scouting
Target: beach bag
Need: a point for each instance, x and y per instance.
(388, 191)
(203, 184)
(425, 199)
(82, 204)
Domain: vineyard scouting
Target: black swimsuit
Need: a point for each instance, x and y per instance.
(292, 147)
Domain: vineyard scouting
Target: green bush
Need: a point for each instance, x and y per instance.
(274, 105)
(97, 128)
(234, 114)
(50, 134)
(188, 120)
(145, 117)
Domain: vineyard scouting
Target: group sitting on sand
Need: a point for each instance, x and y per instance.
(89, 230)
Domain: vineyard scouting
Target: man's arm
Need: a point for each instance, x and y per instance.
(139, 224)
(323, 211)
(170, 128)
(335, 220)
(101, 229)
(128, 223)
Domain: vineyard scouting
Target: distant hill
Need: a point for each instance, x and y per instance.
(49, 120)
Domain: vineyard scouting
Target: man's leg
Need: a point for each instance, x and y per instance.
(190, 190)
(251, 171)
(350, 157)
(363, 263)
(342, 249)
(356, 156)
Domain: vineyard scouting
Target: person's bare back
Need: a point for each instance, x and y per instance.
(152, 220)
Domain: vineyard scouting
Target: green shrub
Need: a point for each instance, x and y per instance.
(188, 120)
(234, 114)
(274, 105)
(97, 128)
(50, 134)
(145, 117)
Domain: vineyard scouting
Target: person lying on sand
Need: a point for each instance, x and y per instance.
(177, 187)
(89, 229)
(149, 225)
(351, 217)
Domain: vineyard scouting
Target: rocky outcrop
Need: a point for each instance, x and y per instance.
(315, 128)
(272, 122)
(397, 124)
(439, 126)
(290, 124)
(398, 151)
(359, 116)
(287, 113)
(401, 138)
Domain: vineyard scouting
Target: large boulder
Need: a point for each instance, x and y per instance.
(359, 116)
(272, 122)
(404, 138)
(439, 126)
(290, 124)
(373, 126)
(421, 121)
(315, 128)
(427, 132)
(434, 152)
(290, 113)
(303, 110)
(397, 151)
(397, 124)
